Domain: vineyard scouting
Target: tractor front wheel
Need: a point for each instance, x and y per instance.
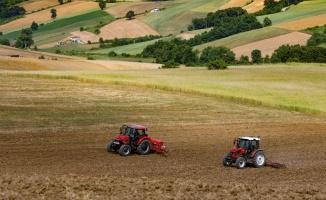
(109, 146)
(125, 150)
(144, 147)
(259, 159)
(226, 161)
(240, 162)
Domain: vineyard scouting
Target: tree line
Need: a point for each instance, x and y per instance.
(9, 8)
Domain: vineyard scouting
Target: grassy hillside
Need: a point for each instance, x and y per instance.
(297, 87)
(176, 17)
(245, 38)
(60, 29)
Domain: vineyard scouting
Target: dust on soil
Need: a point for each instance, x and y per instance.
(54, 135)
(268, 46)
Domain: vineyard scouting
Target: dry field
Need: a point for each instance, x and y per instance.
(301, 24)
(54, 133)
(124, 28)
(137, 7)
(268, 46)
(43, 16)
(254, 6)
(38, 5)
(234, 3)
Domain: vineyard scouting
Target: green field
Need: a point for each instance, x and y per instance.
(176, 17)
(296, 87)
(303, 10)
(245, 38)
(60, 29)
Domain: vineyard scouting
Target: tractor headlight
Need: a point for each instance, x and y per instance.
(116, 142)
(163, 147)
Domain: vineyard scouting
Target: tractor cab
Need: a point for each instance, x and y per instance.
(135, 132)
(247, 143)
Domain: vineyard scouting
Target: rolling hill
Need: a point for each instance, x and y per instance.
(172, 21)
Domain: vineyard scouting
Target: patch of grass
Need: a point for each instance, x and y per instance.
(296, 87)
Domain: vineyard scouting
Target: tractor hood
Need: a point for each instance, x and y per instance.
(122, 138)
(237, 150)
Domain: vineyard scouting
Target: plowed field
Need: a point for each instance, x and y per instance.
(53, 136)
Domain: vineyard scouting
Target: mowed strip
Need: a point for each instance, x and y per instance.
(301, 24)
(124, 28)
(64, 10)
(268, 46)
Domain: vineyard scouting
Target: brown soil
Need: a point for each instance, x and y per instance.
(268, 46)
(38, 5)
(254, 6)
(302, 24)
(234, 3)
(64, 161)
(124, 28)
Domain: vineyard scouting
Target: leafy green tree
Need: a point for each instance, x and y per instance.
(244, 60)
(34, 26)
(217, 53)
(256, 56)
(5, 42)
(267, 59)
(53, 13)
(25, 39)
(267, 22)
(60, 1)
(217, 64)
(102, 4)
(130, 14)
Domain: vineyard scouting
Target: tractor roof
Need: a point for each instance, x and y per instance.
(137, 127)
(249, 138)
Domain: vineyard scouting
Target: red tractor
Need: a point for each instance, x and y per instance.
(133, 138)
(247, 151)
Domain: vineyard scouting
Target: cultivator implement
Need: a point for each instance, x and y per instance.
(275, 164)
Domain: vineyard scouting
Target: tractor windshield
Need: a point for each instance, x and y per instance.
(242, 144)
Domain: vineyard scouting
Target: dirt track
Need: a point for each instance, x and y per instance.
(69, 161)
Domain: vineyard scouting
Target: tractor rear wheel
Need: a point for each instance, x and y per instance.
(259, 159)
(227, 162)
(109, 146)
(125, 150)
(144, 147)
(240, 162)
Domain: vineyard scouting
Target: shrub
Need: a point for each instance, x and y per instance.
(170, 64)
(112, 54)
(57, 51)
(217, 64)
(41, 57)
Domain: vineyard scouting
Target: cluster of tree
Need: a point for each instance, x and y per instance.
(272, 6)
(8, 8)
(225, 22)
(297, 53)
(216, 19)
(172, 51)
(25, 39)
(125, 41)
(317, 38)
